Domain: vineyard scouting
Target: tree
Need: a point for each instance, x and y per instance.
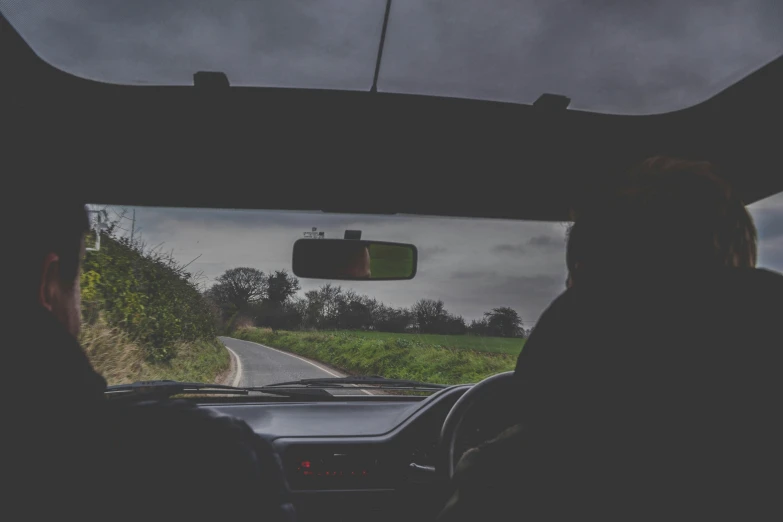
(504, 322)
(429, 313)
(478, 327)
(373, 307)
(280, 287)
(270, 300)
(323, 307)
(353, 315)
(396, 320)
(238, 288)
(277, 317)
(354, 311)
(452, 325)
(274, 311)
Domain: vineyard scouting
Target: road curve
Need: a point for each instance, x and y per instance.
(260, 365)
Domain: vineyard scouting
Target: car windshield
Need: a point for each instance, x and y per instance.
(208, 295)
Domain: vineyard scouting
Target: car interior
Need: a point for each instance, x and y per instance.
(213, 145)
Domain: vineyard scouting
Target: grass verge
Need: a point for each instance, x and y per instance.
(120, 360)
(510, 346)
(396, 356)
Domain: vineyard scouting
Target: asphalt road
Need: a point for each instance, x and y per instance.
(260, 365)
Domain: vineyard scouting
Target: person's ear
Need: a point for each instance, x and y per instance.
(50, 281)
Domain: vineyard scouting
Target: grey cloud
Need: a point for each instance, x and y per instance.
(529, 295)
(529, 286)
(160, 219)
(769, 222)
(633, 56)
(427, 253)
(773, 260)
(507, 248)
(472, 274)
(541, 242)
(312, 43)
(524, 285)
(768, 215)
(545, 241)
(609, 56)
(771, 254)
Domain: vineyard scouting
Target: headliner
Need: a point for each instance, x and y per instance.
(363, 152)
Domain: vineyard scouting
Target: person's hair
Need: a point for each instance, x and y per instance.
(666, 214)
(52, 227)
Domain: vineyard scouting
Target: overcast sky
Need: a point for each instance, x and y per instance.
(472, 264)
(631, 56)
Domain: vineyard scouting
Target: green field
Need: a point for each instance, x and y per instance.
(444, 359)
(459, 342)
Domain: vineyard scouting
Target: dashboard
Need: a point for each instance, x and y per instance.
(351, 460)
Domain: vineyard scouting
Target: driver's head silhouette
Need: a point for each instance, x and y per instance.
(667, 214)
(49, 261)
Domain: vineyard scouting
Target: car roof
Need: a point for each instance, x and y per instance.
(213, 145)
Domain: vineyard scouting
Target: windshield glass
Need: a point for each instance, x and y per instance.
(208, 296)
(629, 57)
(617, 57)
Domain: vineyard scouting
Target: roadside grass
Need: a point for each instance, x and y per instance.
(511, 346)
(397, 356)
(114, 355)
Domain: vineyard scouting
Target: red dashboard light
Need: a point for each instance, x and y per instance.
(306, 464)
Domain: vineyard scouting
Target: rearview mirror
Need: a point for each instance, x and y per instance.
(354, 260)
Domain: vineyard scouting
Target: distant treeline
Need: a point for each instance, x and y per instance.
(248, 296)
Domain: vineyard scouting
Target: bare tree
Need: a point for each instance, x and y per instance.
(429, 313)
(239, 288)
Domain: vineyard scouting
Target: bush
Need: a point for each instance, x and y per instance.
(119, 359)
(147, 295)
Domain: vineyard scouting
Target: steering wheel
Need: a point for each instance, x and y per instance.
(450, 432)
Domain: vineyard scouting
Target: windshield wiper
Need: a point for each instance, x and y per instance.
(304, 388)
(163, 389)
(362, 381)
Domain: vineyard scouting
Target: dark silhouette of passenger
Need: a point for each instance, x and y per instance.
(646, 390)
(73, 451)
